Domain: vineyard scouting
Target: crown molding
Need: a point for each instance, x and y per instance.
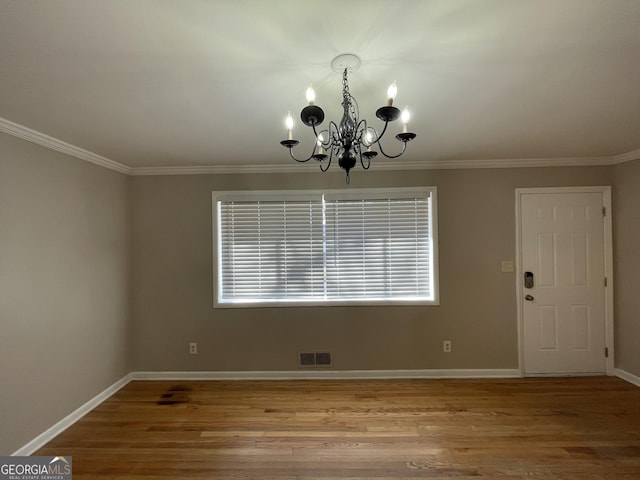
(214, 170)
(626, 157)
(390, 165)
(52, 143)
(38, 138)
(496, 163)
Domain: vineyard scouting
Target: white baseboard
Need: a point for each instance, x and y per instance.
(328, 374)
(72, 418)
(628, 377)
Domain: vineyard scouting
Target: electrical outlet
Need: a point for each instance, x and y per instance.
(193, 348)
(446, 346)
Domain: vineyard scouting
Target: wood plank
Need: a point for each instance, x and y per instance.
(570, 428)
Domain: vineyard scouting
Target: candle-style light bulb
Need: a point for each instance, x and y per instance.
(406, 116)
(311, 95)
(392, 91)
(289, 124)
(368, 139)
(319, 143)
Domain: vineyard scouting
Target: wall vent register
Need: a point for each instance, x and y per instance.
(314, 359)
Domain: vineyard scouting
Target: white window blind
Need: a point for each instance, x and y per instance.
(306, 247)
(271, 250)
(378, 249)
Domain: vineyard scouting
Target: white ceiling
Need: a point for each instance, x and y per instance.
(158, 83)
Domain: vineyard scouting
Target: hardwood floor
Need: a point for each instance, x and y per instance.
(569, 428)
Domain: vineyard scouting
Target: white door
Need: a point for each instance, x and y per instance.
(563, 284)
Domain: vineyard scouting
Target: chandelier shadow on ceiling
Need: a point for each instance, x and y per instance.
(352, 139)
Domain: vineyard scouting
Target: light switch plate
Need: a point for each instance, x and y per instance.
(506, 266)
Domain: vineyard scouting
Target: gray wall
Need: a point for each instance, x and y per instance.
(172, 279)
(626, 206)
(64, 286)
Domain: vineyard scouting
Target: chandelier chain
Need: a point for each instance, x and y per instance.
(345, 85)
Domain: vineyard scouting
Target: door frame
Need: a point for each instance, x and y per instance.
(608, 266)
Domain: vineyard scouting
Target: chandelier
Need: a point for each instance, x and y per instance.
(352, 139)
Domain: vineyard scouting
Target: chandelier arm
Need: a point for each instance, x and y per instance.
(299, 160)
(315, 133)
(332, 129)
(328, 163)
(334, 134)
(361, 127)
(325, 143)
(366, 167)
(378, 142)
(379, 137)
(404, 147)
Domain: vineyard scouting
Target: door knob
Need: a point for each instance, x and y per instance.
(529, 298)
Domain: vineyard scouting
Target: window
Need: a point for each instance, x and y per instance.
(347, 247)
